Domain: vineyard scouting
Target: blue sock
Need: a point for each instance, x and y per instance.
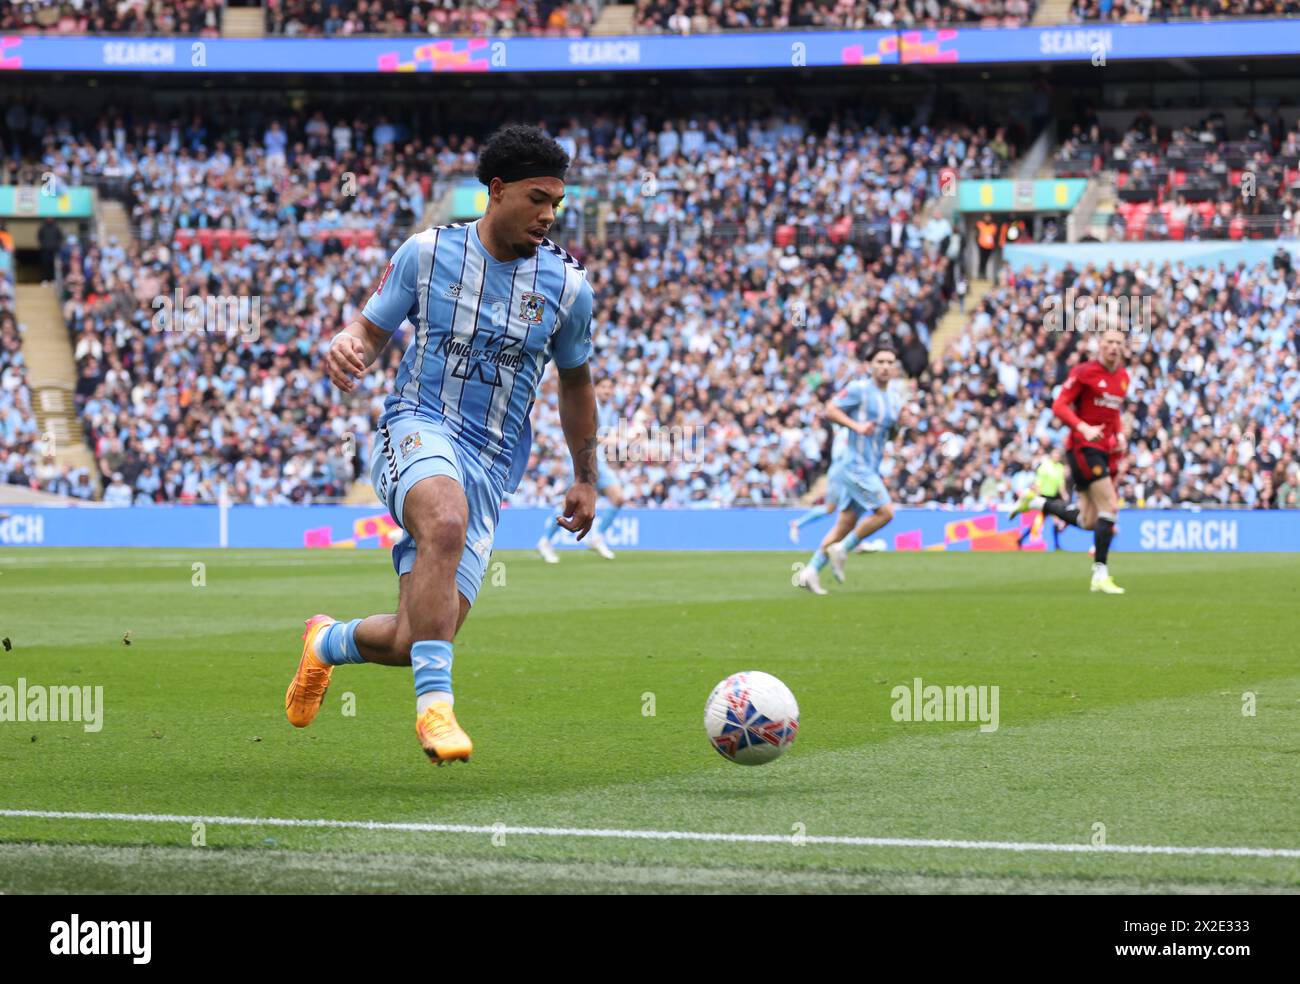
(818, 560)
(606, 519)
(338, 644)
(811, 516)
(552, 525)
(431, 664)
(851, 541)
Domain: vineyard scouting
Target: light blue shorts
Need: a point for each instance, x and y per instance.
(409, 448)
(860, 494)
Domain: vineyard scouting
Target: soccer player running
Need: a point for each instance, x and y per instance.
(1090, 404)
(491, 301)
(1049, 482)
(871, 412)
(606, 481)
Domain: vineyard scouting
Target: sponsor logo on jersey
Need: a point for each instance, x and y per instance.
(453, 291)
(510, 355)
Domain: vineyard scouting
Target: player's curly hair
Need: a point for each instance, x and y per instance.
(515, 145)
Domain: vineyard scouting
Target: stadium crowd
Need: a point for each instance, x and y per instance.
(1202, 180)
(152, 17)
(1212, 402)
(701, 16)
(731, 300)
(346, 18)
(1139, 11)
(743, 215)
(338, 18)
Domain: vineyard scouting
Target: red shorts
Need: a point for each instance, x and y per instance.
(1087, 464)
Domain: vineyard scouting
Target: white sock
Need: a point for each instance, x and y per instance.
(422, 701)
(1098, 570)
(1036, 502)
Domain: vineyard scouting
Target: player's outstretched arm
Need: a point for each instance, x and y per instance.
(578, 419)
(352, 351)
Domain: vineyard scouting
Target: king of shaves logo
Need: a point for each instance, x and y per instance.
(75, 938)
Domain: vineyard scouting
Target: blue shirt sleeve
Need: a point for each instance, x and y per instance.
(573, 339)
(848, 398)
(396, 297)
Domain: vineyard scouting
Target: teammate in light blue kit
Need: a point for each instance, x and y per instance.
(490, 302)
(871, 412)
(606, 481)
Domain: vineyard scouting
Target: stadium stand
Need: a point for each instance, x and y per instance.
(700, 16)
(1140, 11)
(1225, 175)
(153, 17)
(790, 219)
(1213, 397)
(727, 308)
(322, 18)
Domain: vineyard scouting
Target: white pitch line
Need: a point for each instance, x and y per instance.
(662, 835)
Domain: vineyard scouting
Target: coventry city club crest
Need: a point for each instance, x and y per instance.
(531, 307)
(410, 443)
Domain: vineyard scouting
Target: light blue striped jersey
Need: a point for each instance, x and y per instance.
(863, 400)
(483, 332)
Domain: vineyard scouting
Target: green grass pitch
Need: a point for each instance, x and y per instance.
(1125, 712)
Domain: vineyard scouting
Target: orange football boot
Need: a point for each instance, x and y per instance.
(442, 739)
(303, 698)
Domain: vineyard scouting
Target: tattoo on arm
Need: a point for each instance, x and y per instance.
(584, 441)
(585, 467)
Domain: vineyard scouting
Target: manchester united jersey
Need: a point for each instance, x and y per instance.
(1093, 395)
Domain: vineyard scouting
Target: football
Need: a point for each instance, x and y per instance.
(751, 718)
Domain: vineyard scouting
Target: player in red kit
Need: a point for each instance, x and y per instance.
(1091, 404)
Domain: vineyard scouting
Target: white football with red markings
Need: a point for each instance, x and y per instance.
(751, 718)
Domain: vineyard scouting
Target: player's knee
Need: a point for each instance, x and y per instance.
(886, 512)
(440, 534)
